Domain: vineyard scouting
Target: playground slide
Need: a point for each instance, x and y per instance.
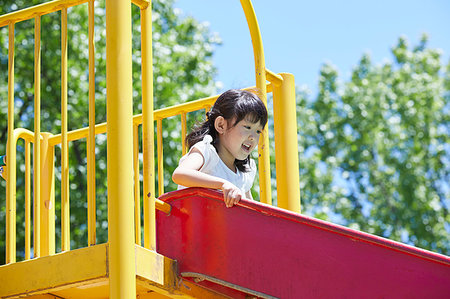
(263, 251)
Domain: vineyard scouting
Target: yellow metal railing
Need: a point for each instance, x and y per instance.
(123, 140)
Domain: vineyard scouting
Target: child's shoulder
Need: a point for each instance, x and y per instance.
(207, 150)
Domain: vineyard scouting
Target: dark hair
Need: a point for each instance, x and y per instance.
(232, 104)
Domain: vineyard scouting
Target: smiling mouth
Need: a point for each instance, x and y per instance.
(246, 147)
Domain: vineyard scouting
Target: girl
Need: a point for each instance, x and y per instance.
(220, 147)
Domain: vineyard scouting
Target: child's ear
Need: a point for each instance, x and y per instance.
(220, 124)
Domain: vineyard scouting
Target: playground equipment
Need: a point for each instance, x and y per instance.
(302, 257)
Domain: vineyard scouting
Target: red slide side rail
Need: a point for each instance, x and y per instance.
(288, 255)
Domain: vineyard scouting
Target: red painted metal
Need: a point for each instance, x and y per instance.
(288, 255)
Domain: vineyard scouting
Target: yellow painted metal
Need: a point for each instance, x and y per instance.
(41, 9)
(137, 187)
(159, 146)
(11, 158)
(274, 78)
(37, 134)
(91, 134)
(151, 265)
(163, 206)
(148, 127)
(142, 4)
(47, 204)
(75, 267)
(183, 133)
(286, 149)
(27, 201)
(84, 273)
(65, 204)
(120, 149)
(138, 119)
(260, 73)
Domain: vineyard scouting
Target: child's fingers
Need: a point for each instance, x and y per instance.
(226, 197)
(231, 197)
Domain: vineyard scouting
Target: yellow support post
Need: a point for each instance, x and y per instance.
(91, 135)
(148, 127)
(11, 158)
(137, 187)
(120, 149)
(183, 133)
(159, 145)
(27, 201)
(260, 73)
(47, 204)
(37, 136)
(65, 203)
(286, 149)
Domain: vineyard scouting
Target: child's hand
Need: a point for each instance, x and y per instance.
(231, 194)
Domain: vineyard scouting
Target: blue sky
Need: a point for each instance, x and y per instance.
(299, 36)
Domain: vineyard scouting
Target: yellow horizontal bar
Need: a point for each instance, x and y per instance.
(191, 106)
(142, 4)
(273, 77)
(25, 134)
(162, 206)
(41, 9)
(137, 119)
(49, 7)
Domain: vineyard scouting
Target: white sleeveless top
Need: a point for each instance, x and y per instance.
(214, 166)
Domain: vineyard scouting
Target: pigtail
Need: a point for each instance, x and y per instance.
(201, 130)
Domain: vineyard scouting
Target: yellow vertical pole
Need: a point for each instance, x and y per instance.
(27, 201)
(286, 149)
(47, 197)
(37, 135)
(260, 73)
(65, 205)
(120, 149)
(137, 187)
(11, 158)
(159, 145)
(91, 133)
(183, 133)
(148, 127)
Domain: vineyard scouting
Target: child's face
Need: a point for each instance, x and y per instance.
(238, 141)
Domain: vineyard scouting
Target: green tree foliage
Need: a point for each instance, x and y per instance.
(375, 150)
(183, 71)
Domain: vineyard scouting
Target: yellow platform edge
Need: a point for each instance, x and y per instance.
(83, 273)
(77, 271)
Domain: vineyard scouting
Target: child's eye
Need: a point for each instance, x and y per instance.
(247, 127)
(259, 132)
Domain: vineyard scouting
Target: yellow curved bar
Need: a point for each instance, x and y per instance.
(24, 134)
(260, 73)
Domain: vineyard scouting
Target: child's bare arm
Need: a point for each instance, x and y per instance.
(187, 174)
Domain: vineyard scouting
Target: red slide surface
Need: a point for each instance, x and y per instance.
(287, 255)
